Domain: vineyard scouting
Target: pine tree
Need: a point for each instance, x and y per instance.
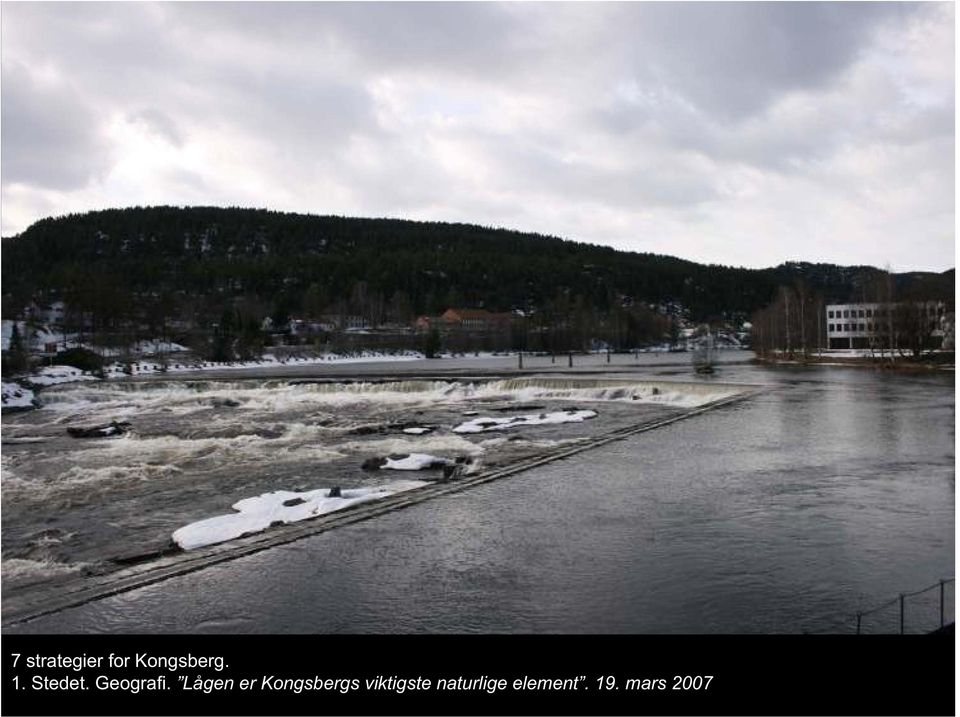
(18, 359)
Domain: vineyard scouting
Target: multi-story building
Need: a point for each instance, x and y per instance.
(857, 326)
(880, 325)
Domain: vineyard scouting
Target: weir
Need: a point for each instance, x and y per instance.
(144, 570)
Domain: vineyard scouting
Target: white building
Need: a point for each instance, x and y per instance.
(857, 326)
(875, 326)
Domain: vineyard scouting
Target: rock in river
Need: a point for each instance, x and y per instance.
(114, 428)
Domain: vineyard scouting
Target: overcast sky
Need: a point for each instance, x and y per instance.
(744, 134)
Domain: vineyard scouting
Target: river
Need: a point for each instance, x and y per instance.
(830, 491)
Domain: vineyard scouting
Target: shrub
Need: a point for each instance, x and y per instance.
(80, 358)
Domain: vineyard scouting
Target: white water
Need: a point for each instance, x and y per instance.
(179, 398)
(22, 571)
(194, 442)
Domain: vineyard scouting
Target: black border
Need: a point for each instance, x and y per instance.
(752, 674)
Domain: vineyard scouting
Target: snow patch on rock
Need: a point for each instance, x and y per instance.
(52, 375)
(16, 396)
(488, 423)
(414, 462)
(257, 514)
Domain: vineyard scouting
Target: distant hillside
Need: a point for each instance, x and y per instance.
(193, 261)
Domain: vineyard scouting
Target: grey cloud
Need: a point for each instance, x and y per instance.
(379, 36)
(160, 124)
(107, 48)
(296, 107)
(647, 178)
(51, 135)
(733, 58)
(486, 111)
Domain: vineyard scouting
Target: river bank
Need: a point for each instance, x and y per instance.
(942, 362)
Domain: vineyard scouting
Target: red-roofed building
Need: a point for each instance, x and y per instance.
(479, 320)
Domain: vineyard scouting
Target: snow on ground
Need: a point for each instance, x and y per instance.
(417, 430)
(35, 339)
(52, 375)
(143, 367)
(851, 353)
(16, 396)
(257, 514)
(486, 423)
(158, 347)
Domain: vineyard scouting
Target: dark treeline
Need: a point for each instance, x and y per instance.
(160, 270)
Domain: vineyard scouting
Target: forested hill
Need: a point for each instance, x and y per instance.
(292, 263)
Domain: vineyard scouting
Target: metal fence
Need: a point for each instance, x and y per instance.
(923, 610)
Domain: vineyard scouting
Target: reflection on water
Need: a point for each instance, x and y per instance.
(831, 492)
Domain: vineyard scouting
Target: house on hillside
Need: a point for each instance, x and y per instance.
(51, 314)
(345, 322)
(476, 320)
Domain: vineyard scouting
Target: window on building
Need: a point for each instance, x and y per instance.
(846, 314)
(863, 327)
(861, 313)
(869, 313)
(829, 314)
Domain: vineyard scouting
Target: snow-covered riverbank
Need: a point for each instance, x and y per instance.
(16, 396)
(16, 388)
